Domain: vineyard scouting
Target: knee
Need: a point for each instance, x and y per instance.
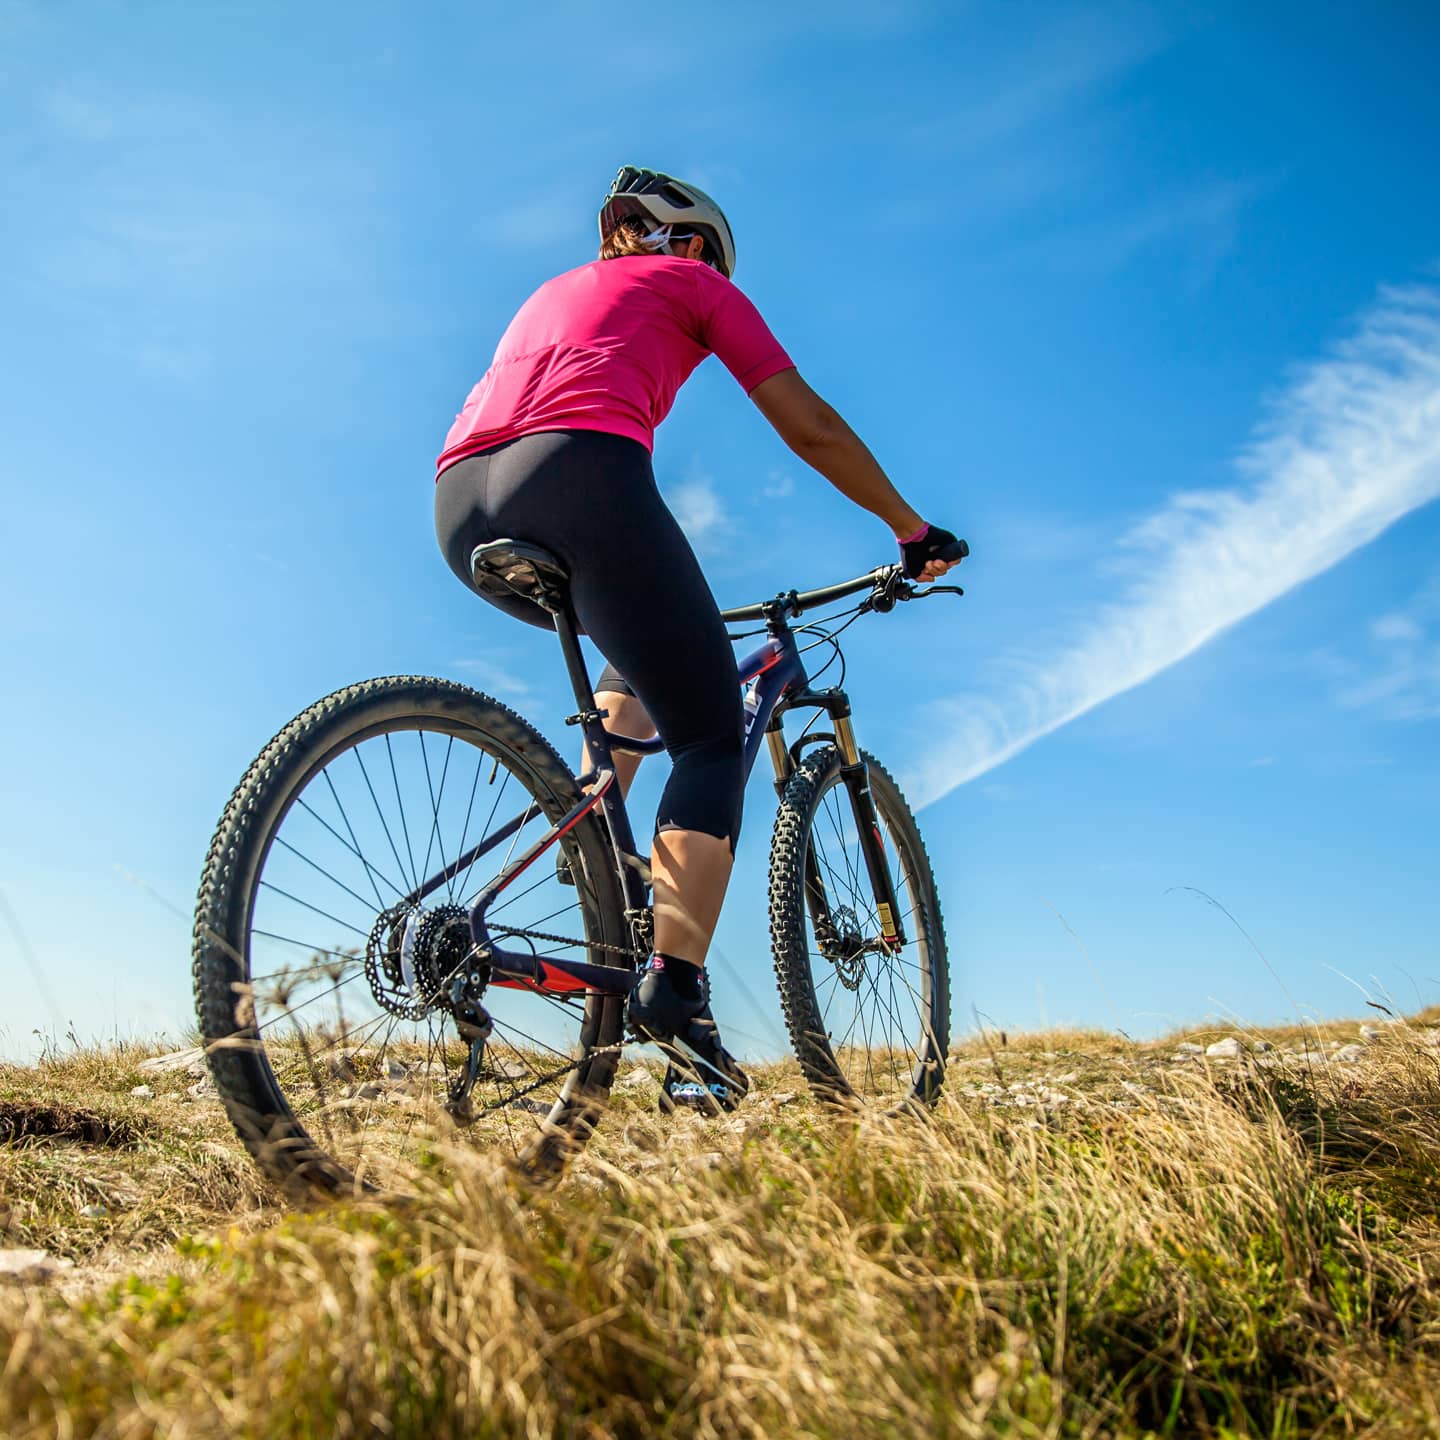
(625, 715)
(706, 791)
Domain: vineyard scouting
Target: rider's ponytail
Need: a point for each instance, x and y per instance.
(627, 238)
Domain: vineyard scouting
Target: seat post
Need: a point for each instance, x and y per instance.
(591, 724)
(597, 742)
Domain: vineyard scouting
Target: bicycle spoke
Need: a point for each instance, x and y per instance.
(434, 798)
(344, 924)
(359, 1051)
(871, 1005)
(353, 845)
(400, 806)
(314, 865)
(305, 1004)
(300, 945)
(465, 827)
(380, 814)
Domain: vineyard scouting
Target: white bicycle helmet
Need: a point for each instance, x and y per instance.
(664, 200)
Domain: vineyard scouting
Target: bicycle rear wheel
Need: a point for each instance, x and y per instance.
(332, 923)
(869, 1026)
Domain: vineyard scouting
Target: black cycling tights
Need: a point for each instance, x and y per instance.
(637, 589)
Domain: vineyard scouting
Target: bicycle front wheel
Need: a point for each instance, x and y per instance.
(333, 925)
(870, 1026)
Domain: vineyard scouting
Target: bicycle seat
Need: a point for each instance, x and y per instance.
(508, 568)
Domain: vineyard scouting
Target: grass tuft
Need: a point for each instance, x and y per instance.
(1106, 1240)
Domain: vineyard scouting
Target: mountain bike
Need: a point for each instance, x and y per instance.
(414, 915)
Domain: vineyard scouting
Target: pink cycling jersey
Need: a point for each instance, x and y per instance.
(606, 347)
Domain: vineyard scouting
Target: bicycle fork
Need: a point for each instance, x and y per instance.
(856, 778)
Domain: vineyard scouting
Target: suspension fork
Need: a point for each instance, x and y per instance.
(856, 775)
(856, 778)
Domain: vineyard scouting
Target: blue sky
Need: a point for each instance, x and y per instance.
(1141, 299)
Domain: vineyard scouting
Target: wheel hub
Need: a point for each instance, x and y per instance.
(413, 955)
(844, 946)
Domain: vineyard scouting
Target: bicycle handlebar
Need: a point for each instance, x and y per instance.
(797, 602)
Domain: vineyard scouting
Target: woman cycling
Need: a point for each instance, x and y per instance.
(553, 446)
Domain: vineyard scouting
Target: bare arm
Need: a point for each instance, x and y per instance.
(818, 435)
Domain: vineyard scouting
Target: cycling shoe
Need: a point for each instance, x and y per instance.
(657, 1011)
(701, 1073)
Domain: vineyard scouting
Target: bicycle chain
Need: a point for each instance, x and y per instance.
(552, 1075)
(629, 950)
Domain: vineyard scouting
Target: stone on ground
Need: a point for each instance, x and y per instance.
(29, 1267)
(175, 1060)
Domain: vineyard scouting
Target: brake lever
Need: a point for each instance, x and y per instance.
(921, 593)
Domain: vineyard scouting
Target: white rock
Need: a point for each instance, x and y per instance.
(143, 1092)
(1261, 1047)
(396, 1069)
(1349, 1054)
(1370, 1032)
(637, 1077)
(94, 1212)
(175, 1060)
(29, 1267)
(202, 1090)
(785, 1097)
(1431, 1038)
(1226, 1049)
(1188, 1047)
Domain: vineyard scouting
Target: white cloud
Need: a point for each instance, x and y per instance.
(494, 676)
(1352, 446)
(1401, 677)
(779, 486)
(697, 506)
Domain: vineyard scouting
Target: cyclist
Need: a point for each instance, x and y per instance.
(553, 446)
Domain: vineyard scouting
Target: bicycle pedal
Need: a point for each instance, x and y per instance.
(709, 1099)
(713, 1084)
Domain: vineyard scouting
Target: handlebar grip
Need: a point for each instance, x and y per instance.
(958, 551)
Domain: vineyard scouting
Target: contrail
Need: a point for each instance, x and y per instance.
(1350, 447)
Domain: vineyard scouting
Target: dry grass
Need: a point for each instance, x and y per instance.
(1088, 1239)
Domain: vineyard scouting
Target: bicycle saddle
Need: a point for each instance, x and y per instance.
(505, 568)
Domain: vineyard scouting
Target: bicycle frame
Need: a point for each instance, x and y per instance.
(776, 675)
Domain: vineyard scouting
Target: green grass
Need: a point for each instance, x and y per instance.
(1152, 1248)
